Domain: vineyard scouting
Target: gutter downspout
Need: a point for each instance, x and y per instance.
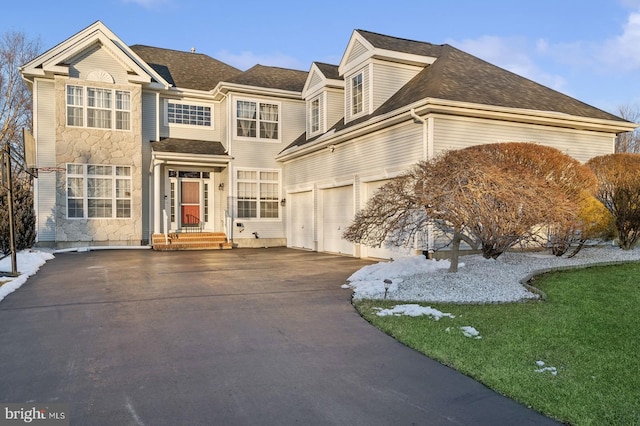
(427, 152)
(426, 155)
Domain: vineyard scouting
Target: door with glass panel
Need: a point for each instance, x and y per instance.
(190, 204)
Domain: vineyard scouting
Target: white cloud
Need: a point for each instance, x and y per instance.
(246, 59)
(623, 51)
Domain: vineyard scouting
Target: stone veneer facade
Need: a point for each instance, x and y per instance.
(97, 146)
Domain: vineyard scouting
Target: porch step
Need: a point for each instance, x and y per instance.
(191, 241)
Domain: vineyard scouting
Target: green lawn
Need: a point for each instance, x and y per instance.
(588, 329)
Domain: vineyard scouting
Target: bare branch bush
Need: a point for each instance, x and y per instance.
(619, 190)
(494, 196)
(629, 141)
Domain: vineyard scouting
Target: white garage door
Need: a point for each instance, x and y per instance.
(383, 252)
(337, 214)
(301, 220)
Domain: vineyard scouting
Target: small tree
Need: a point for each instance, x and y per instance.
(16, 115)
(629, 141)
(593, 221)
(619, 190)
(24, 215)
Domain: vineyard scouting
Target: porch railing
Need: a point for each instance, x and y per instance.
(192, 223)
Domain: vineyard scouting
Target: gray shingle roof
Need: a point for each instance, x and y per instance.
(188, 146)
(329, 71)
(403, 45)
(459, 76)
(185, 69)
(272, 78)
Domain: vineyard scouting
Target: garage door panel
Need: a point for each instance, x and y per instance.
(337, 214)
(302, 235)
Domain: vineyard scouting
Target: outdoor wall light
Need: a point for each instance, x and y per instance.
(221, 186)
(283, 202)
(387, 284)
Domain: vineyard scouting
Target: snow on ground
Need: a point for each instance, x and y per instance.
(478, 280)
(413, 310)
(470, 332)
(542, 369)
(28, 263)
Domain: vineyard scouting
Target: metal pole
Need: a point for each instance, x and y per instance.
(12, 235)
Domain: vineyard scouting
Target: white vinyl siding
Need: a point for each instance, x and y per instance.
(248, 154)
(98, 59)
(334, 108)
(45, 135)
(387, 79)
(149, 133)
(315, 79)
(456, 133)
(357, 51)
(392, 149)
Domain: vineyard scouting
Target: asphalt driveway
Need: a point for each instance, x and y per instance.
(240, 337)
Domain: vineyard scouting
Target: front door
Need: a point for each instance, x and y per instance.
(190, 204)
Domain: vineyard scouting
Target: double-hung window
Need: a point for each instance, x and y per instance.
(259, 120)
(315, 115)
(356, 94)
(98, 108)
(98, 191)
(258, 194)
(188, 114)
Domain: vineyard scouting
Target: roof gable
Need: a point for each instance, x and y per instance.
(365, 45)
(321, 75)
(57, 59)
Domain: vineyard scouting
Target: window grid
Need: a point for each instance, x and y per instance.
(98, 191)
(98, 108)
(188, 114)
(258, 194)
(260, 120)
(315, 115)
(356, 94)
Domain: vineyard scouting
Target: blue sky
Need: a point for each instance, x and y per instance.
(588, 49)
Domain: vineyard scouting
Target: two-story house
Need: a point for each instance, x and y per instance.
(137, 141)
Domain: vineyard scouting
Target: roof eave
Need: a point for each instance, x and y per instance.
(435, 106)
(551, 118)
(225, 87)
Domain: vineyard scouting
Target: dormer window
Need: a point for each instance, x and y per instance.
(356, 94)
(315, 115)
